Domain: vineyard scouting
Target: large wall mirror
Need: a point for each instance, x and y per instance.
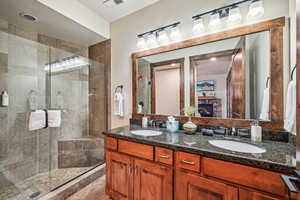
(235, 75)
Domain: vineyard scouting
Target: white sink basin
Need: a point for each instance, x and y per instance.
(146, 133)
(237, 146)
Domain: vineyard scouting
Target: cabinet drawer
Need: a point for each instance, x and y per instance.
(163, 155)
(111, 143)
(136, 149)
(248, 176)
(188, 161)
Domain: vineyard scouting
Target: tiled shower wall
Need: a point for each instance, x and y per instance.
(22, 60)
(144, 89)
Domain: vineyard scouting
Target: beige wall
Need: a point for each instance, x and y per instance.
(124, 31)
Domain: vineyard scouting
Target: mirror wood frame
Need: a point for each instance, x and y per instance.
(276, 28)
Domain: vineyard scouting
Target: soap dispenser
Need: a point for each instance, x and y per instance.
(256, 132)
(5, 99)
(145, 121)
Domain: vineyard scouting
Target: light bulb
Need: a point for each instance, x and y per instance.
(141, 43)
(213, 59)
(256, 10)
(215, 22)
(175, 34)
(235, 16)
(163, 38)
(151, 41)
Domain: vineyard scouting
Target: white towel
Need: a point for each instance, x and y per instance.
(265, 108)
(54, 118)
(290, 109)
(37, 120)
(119, 104)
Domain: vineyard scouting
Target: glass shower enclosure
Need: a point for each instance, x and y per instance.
(38, 77)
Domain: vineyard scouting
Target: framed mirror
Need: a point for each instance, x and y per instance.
(231, 78)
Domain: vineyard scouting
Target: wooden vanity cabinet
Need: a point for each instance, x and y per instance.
(119, 176)
(144, 172)
(132, 178)
(152, 181)
(191, 186)
(252, 195)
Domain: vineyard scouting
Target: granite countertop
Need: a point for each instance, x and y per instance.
(279, 156)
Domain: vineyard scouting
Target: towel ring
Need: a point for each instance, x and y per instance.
(119, 87)
(293, 72)
(267, 83)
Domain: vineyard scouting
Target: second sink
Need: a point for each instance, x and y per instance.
(237, 146)
(146, 133)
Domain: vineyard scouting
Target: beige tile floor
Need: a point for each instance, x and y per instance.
(94, 191)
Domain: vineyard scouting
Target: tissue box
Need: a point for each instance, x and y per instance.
(172, 126)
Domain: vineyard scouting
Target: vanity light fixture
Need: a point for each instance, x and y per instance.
(235, 16)
(151, 40)
(141, 43)
(69, 63)
(163, 37)
(231, 12)
(175, 34)
(198, 26)
(215, 21)
(256, 10)
(159, 36)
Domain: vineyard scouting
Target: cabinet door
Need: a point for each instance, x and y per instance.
(152, 181)
(251, 195)
(189, 186)
(119, 176)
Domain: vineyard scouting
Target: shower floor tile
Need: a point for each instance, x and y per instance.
(39, 184)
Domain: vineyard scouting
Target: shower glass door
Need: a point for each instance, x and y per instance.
(38, 77)
(78, 94)
(24, 154)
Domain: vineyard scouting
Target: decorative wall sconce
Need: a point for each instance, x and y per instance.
(231, 12)
(159, 37)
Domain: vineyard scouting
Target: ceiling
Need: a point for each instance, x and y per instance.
(219, 66)
(115, 12)
(49, 22)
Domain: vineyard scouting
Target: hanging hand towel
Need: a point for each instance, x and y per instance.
(119, 104)
(54, 118)
(265, 108)
(37, 120)
(290, 109)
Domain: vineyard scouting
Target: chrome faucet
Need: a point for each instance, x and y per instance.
(155, 123)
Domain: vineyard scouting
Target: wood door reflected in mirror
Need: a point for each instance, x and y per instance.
(160, 83)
